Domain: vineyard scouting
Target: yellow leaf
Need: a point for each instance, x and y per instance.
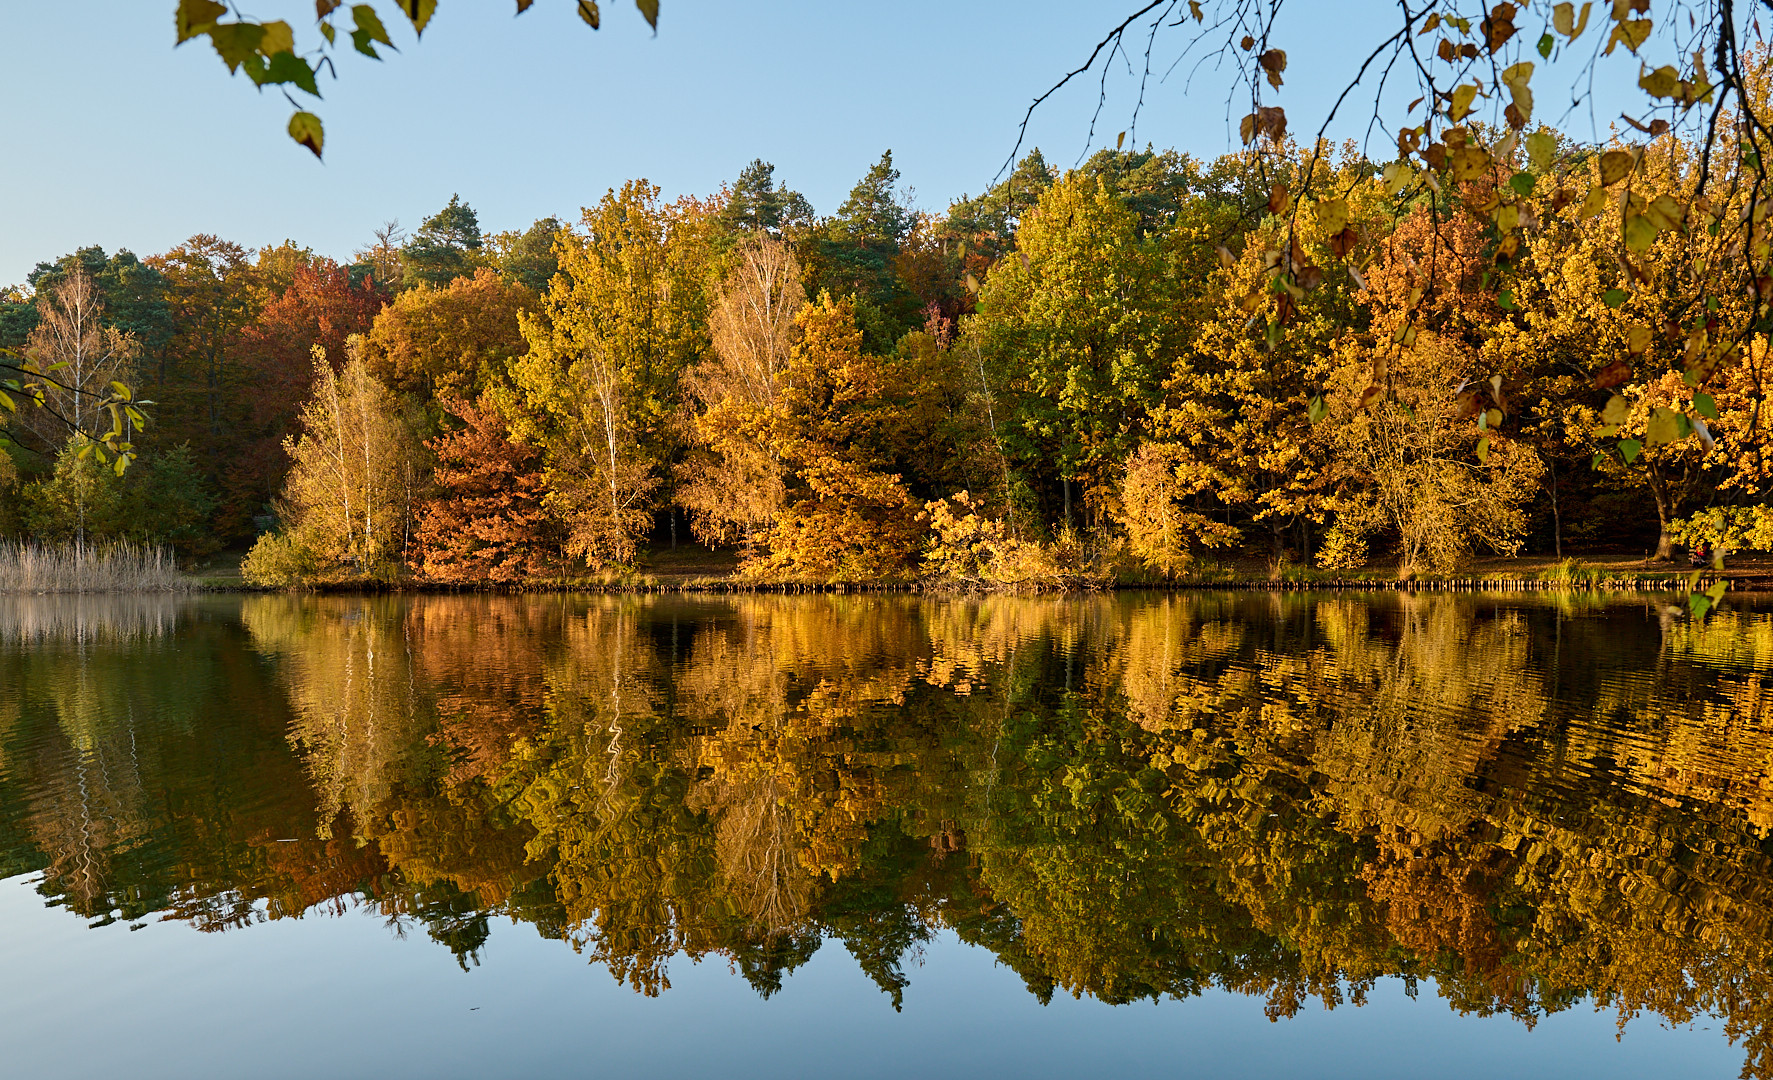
(1596, 201)
(1462, 99)
(1637, 337)
(1631, 32)
(1332, 215)
(196, 17)
(1665, 213)
(1616, 411)
(278, 38)
(1398, 176)
(1563, 19)
(1507, 218)
(1640, 232)
(1515, 77)
(1664, 427)
(1542, 147)
(305, 128)
(1660, 83)
(1470, 162)
(1616, 165)
(1581, 22)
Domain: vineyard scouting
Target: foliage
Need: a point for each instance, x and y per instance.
(167, 501)
(80, 498)
(733, 483)
(75, 371)
(445, 247)
(486, 522)
(1160, 528)
(320, 307)
(1075, 323)
(620, 323)
(280, 560)
(1293, 353)
(844, 518)
(760, 204)
(969, 549)
(356, 475)
(1727, 528)
(441, 342)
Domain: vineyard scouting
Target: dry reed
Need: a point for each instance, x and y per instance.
(88, 568)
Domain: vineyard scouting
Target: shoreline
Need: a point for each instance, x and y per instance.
(1668, 582)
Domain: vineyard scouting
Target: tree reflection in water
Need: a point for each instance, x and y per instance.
(1529, 802)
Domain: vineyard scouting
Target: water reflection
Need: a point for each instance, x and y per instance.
(1530, 803)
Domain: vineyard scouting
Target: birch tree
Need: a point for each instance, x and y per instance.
(598, 389)
(356, 473)
(81, 359)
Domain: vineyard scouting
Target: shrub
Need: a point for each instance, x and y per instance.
(969, 549)
(279, 560)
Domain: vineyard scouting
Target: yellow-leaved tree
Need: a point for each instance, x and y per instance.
(732, 481)
(621, 321)
(357, 472)
(847, 517)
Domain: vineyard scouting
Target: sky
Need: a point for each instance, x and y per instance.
(116, 138)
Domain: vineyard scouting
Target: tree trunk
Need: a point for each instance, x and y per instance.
(1557, 522)
(1664, 515)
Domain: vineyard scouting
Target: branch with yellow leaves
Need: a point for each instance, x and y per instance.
(266, 49)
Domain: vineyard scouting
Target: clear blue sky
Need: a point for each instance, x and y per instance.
(113, 137)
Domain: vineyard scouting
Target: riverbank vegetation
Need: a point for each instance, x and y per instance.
(1078, 377)
(117, 566)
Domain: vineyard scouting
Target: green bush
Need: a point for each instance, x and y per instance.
(279, 560)
(80, 499)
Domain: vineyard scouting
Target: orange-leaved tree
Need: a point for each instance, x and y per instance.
(486, 522)
(847, 516)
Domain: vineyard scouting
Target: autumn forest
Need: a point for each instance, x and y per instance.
(1076, 377)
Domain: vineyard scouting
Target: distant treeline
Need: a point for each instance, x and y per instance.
(1078, 374)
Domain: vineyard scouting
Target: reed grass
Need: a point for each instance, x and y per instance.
(1574, 574)
(88, 568)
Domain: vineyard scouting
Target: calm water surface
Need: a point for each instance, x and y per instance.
(1202, 835)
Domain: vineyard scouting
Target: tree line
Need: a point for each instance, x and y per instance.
(1082, 374)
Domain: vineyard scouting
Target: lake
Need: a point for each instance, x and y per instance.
(1200, 834)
